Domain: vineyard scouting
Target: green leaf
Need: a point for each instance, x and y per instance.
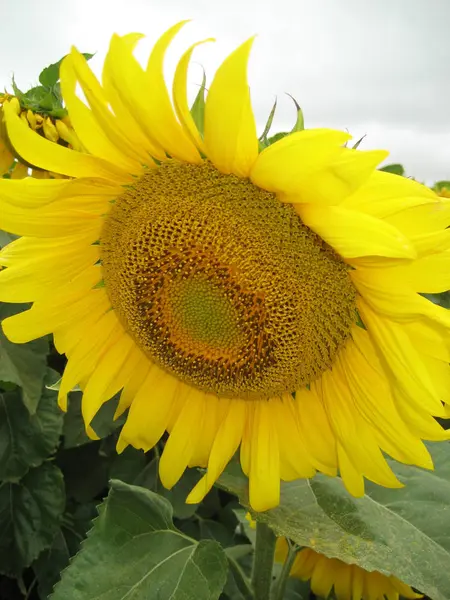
(30, 515)
(265, 133)
(127, 465)
(299, 125)
(27, 440)
(50, 563)
(440, 299)
(74, 430)
(85, 471)
(300, 121)
(405, 532)
(50, 75)
(134, 551)
(23, 364)
(395, 169)
(6, 238)
(149, 479)
(356, 144)
(198, 107)
(278, 136)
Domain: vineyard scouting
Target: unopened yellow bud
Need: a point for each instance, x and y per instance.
(39, 121)
(50, 130)
(66, 120)
(31, 119)
(68, 135)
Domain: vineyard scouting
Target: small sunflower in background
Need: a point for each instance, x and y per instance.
(347, 582)
(442, 188)
(265, 300)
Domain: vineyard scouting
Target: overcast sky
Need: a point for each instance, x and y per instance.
(375, 67)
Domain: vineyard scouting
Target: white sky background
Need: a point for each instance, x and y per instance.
(375, 67)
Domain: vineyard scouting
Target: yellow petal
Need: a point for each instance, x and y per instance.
(321, 580)
(285, 166)
(429, 274)
(264, 476)
(97, 390)
(204, 442)
(430, 338)
(230, 129)
(132, 386)
(43, 317)
(88, 129)
(354, 434)
(225, 445)
(45, 154)
(315, 427)
(77, 319)
(49, 221)
(150, 409)
(118, 98)
(351, 476)
(338, 179)
(424, 219)
(116, 129)
(30, 193)
(30, 279)
(295, 460)
(89, 351)
(354, 234)
(373, 398)
(385, 194)
(180, 445)
(382, 293)
(180, 97)
(402, 361)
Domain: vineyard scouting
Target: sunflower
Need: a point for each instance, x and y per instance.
(261, 301)
(349, 582)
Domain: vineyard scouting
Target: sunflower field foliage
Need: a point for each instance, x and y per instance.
(164, 484)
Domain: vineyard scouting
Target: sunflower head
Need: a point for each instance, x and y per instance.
(267, 302)
(346, 582)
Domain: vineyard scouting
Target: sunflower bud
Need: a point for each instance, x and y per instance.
(68, 134)
(31, 117)
(50, 130)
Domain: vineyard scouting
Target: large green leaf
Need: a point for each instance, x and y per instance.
(50, 563)
(30, 515)
(149, 479)
(134, 551)
(23, 364)
(27, 440)
(405, 532)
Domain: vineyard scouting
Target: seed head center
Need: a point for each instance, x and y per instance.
(222, 285)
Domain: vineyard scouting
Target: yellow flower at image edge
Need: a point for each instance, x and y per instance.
(349, 582)
(261, 302)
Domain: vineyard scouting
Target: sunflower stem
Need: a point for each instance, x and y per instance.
(263, 561)
(281, 582)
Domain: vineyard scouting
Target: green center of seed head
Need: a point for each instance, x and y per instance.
(205, 313)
